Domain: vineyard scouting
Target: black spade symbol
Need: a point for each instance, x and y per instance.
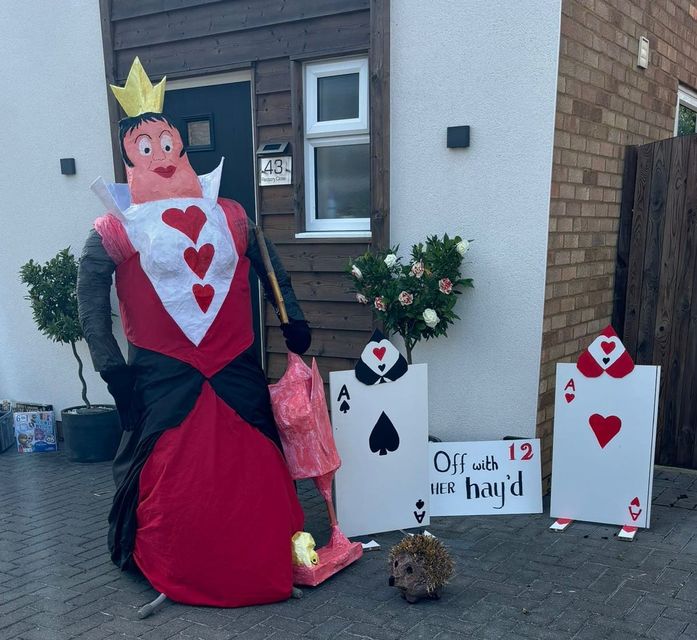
(420, 504)
(384, 436)
(606, 360)
(344, 407)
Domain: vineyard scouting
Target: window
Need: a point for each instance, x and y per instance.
(686, 116)
(337, 147)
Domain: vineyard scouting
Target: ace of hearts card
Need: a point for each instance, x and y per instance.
(381, 433)
(604, 437)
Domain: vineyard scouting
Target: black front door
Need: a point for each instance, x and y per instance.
(216, 121)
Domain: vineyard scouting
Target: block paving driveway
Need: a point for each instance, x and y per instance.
(514, 578)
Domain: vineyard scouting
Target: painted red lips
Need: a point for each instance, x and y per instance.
(165, 172)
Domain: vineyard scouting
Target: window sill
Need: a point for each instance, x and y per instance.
(333, 236)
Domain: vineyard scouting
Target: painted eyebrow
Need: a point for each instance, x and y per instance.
(143, 135)
(165, 131)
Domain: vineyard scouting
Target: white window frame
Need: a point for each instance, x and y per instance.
(333, 133)
(688, 98)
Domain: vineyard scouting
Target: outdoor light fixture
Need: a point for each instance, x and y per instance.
(458, 137)
(68, 166)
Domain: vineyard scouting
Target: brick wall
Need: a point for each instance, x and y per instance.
(604, 102)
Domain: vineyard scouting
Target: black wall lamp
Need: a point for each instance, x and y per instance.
(458, 137)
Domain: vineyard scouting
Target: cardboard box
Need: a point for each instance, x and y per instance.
(34, 428)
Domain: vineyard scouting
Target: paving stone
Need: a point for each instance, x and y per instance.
(514, 579)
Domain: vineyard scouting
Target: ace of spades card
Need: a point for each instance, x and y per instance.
(604, 437)
(381, 433)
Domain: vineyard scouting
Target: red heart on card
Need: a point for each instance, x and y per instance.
(569, 396)
(200, 260)
(635, 502)
(189, 222)
(204, 295)
(608, 347)
(605, 429)
(379, 353)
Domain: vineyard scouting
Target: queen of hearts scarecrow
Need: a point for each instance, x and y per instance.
(204, 506)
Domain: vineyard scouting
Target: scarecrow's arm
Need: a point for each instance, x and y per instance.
(94, 305)
(296, 332)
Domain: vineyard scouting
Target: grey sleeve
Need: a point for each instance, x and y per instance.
(94, 304)
(254, 255)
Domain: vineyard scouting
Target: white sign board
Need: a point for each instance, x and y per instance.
(604, 440)
(381, 433)
(485, 478)
(275, 170)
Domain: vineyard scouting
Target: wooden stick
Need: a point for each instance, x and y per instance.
(280, 304)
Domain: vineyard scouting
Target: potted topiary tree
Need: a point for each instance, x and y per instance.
(91, 432)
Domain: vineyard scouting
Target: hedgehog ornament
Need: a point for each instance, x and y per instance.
(420, 566)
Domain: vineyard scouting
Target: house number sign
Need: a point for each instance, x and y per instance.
(275, 170)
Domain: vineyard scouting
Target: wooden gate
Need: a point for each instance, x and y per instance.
(655, 307)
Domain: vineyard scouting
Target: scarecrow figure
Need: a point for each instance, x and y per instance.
(204, 504)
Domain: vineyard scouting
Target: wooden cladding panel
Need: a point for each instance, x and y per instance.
(273, 108)
(661, 306)
(126, 9)
(184, 19)
(272, 76)
(350, 31)
(277, 362)
(325, 342)
(344, 316)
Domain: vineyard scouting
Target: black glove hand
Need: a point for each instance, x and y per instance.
(120, 382)
(298, 336)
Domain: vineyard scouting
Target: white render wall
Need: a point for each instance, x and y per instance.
(493, 66)
(52, 105)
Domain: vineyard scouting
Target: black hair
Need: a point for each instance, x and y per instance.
(128, 124)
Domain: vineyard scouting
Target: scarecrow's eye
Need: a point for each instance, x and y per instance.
(410, 570)
(145, 146)
(396, 562)
(166, 143)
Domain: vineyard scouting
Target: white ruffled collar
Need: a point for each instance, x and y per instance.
(116, 196)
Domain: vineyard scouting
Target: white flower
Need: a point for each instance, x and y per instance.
(361, 298)
(462, 247)
(380, 303)
(417, 269)
(356, 272)
(431, 318)
(405, 298)
(390, 259)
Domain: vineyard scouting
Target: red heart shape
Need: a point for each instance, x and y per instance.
(608, 347)
(189, 222)
(635, 502)
(605, 429)
(200, 260)
(569, 396)
(204, 295)
(379, 353)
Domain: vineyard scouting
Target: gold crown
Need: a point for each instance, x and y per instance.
(138, 95)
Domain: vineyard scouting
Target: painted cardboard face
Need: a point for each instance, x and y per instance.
(159, 170)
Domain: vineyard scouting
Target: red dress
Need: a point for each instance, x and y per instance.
(216, 506)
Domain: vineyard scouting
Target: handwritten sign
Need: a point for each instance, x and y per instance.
(485, 478)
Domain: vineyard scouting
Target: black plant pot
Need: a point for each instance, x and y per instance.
(91, 435)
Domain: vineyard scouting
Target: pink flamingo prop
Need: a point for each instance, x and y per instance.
(303, 423)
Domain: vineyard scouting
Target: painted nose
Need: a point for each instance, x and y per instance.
(391, 581)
